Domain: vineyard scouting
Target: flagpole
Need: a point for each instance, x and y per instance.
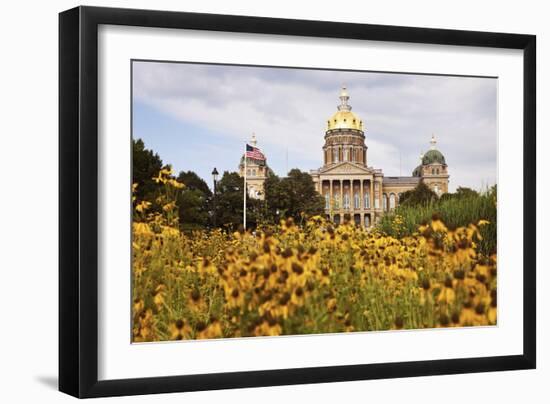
(244, 190)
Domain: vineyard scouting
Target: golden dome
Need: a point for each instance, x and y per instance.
(344, 118)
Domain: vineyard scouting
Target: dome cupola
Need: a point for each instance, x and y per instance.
(344, 118)
(433, 155)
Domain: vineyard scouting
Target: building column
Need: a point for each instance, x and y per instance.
(362, 195)
(341, 197)
(371, 196)
(331, 199)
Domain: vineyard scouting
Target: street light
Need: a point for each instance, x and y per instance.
(215, 178)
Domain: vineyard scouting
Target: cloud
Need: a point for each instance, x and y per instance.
(288, 108)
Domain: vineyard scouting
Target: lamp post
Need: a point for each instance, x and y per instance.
(215, 178)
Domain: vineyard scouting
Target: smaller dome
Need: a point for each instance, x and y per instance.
(433, 156)
(417, 172)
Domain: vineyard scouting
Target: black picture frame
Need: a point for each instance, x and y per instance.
(78, 200)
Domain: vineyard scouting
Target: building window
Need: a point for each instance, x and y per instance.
(346, 201)
(335, 155)
(367, 221)
(356, 201)
(346, 154)
(437, 171)
(254, 172)
(392, 201)
(367, 200)
(327, 201)
(384, 202)
(248, 172)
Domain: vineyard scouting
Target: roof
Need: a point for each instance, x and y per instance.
(400, 180)
(344, 120)
(433, 156)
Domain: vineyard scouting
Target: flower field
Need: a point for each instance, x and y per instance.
(314, 278)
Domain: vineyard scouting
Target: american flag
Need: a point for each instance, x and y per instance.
(254, 153)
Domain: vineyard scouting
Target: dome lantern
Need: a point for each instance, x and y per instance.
(343, 118)
(344, 98)
(433, 142)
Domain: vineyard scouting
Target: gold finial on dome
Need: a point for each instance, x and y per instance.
(344, 118)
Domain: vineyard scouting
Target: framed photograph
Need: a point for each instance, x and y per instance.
(250, 201)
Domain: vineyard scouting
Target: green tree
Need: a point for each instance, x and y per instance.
(461, 192)
(194, 182)
(293, 196)
(229, 203)
(420, 195)
(193, 201)
(146, 164)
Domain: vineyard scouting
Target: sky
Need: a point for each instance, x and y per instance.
(199, 116)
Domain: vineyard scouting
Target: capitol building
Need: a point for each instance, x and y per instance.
(352, 189)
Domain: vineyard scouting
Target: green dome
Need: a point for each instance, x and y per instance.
(417, 172)
(433, 156)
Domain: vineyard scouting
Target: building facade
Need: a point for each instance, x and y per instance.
(351, 188)
(256, 172)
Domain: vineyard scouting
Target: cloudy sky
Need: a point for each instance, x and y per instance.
(198, 116)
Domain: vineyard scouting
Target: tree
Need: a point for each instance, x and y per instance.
(293, 196)
(465, 192)
(420, 195)
(193, 201)
(194, 182)
(146, 164)
(461, 192)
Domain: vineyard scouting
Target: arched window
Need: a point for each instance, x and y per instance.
(433, 171)
(346, 201)
(248, 172)
(346, 154)
(367, 221)
(335, 155)
(392, 201)
(327, 201)
(367, 200)
(356, 201)
(254, 172)
(384, 202)
(437, 171)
